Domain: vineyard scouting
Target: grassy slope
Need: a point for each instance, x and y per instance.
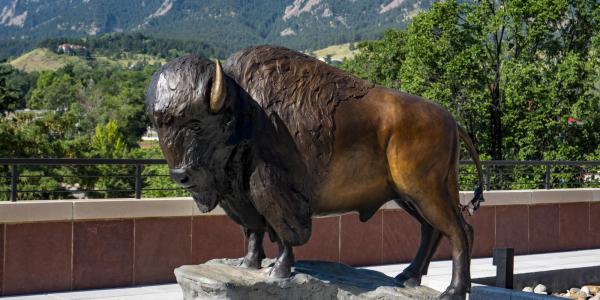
(43, 59)
(133, 59)
(337, 52)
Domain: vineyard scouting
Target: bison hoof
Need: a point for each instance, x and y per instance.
(251, 263)
(280, 270)
(409, 282)
(407, 279)
(452, 294)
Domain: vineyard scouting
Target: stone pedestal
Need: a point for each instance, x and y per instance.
(223, 279)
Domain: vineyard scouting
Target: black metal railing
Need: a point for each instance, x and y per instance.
(33, 178)
(49, 178)
(512, 175)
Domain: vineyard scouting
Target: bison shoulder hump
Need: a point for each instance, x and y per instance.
(302, 90)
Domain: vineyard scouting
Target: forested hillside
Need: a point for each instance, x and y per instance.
(225, 25)
(117, 44)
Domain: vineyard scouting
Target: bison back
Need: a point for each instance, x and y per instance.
(303, 91)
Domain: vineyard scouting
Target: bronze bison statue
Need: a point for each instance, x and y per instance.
(275, 137)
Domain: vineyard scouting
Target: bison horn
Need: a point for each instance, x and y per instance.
(218, 92)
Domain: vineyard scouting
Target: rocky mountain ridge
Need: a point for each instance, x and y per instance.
(226, 24)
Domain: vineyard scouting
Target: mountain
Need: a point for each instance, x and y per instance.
(227, 25)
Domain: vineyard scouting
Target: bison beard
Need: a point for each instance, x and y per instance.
(276, 137)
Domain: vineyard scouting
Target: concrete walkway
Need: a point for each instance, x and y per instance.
(438, 278)
(154, 292)
(440, 272)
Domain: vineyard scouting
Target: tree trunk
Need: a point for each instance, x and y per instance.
(495, 119)
(496, 95)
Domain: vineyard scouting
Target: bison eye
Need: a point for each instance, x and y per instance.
(194, 125)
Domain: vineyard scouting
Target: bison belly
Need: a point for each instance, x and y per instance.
(417, 134)
(357, 177)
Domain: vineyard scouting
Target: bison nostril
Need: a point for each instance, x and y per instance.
(180, 176)
(184, 179)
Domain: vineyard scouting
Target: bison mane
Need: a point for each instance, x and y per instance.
(302, 91)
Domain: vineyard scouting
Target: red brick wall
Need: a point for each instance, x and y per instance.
(59, 256)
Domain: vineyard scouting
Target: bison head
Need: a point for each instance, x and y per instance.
(188, 104)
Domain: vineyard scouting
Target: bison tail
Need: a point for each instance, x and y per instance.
(478, 192)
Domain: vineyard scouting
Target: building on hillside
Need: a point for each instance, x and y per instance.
(71, 49)
(149, 139)
(150, 135)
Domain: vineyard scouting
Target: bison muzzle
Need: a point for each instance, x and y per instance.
(275, 137)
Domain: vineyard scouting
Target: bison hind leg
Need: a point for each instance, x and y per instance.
(365, 215)
(449, 222)
(430, 239)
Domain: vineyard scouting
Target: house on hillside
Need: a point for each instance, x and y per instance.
(72, 49)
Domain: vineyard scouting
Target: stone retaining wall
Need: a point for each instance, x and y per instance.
(83, 244)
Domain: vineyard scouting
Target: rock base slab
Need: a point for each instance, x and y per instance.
(224, 279)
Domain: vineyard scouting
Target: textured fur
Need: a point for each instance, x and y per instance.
(303, 91)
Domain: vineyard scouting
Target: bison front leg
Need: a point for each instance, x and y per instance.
(285, 209)
(256, 253)
(284, 263)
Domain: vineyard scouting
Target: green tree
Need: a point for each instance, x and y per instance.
(112, 181)
(14, 87)
(369, 61)
(40, 134)
(53, 91)
(108, 142)
(9, 96)
(514, 73)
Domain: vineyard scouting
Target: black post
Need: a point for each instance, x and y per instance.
(504, 262)
(487, 176)
(138, 181)
(547, 180)
(14, 178)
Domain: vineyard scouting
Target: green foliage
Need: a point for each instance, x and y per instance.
(40, 134)
(98, 92)
(112, 181)
(108, 142)
(520, 76)
(368, 62)
(53, 92)
(84, 110)
(157, 182)
(10, 47)
(9, 97)
(14, 86)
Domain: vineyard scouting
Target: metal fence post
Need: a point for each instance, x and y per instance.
(138, 181)
(488, 176)
(14, 178)
(547, 180)
(504, 262)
